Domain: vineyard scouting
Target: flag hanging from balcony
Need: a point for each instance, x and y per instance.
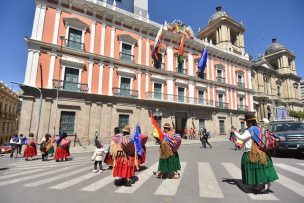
(156, 132)
(180, 52)
(157, 42)
(202, 62)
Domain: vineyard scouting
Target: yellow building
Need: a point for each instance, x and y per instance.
(276, 84)
(9, 101)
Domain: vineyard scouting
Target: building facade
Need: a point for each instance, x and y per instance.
(276, 84)
(92, 62)
(302, 90)
(9, 101)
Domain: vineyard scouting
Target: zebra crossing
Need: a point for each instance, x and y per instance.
(78, 174)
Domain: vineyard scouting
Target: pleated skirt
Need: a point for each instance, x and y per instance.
(170, 164)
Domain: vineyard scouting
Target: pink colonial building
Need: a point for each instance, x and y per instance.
(91, 60)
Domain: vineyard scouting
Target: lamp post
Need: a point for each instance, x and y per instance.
(231, 115)
(40, 103)
(58, 86)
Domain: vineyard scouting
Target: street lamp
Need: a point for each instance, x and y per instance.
(40, 103)
(231, 115)
(58, 86)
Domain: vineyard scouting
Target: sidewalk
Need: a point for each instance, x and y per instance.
(151, 143)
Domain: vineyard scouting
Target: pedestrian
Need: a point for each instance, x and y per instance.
(13, 142)
(143, 141)
(191, 134)
(109, 158)
(257, 167)
(206, 136)
(45, 146)
(19, 144)
(63, 148)
(169, 162)
(98, 156)
(31, 149)
(123, 151)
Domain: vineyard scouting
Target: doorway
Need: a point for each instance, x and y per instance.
(181, 123)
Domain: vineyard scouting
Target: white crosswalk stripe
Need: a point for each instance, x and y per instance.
(74, 181)
(301, 164)
(19, 173)
(50, 162)
(33, 176)
(65, 175)
(291, 169)
(291, 184)
(169, 186)
(235, 173)
(208, 185)
(142, 178)
(99, 184)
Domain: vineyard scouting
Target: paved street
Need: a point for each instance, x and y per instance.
(207, 175)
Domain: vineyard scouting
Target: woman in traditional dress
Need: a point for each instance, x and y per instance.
(31, 149)
(45, 146)
(108, 158)
(169, 162)
(124, 154)
(257, 167)
(143, 141)
(63, 148)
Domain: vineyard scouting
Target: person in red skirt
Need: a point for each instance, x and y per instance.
(124, 157)
(31, 149)
(143, 141)
(63, 148)
(109, 158)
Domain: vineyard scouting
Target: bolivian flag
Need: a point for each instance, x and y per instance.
(156, 132)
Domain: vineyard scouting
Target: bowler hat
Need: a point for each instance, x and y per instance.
(250, 117)
(167, 125)
(126, 129)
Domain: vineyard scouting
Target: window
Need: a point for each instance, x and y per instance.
(180, 66)
(181, 94)
(241, 103)
(158, 63)
(220, 77)
(222, 127)
(201, 96)
(220, 100)
(157, 91)
(67, 122)
(126, 52)
(240, 80)
(71, 77)
(125, 86)
(201, 124)
(123, 121)
(74, 39)
(243, 126)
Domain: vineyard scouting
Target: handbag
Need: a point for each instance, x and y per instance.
(65, 143)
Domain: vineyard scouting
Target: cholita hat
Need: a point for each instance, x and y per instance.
(126, 129)
(250, 117)
(167, 125)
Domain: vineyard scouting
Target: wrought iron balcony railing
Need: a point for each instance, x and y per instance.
(181, 70)
(222, 105)
(178, 98)
(221, 79)
(70, 86)
(158, 65)
(126, 57)
(125, 92)
(201, 75)
(241, 84)
(74, 45)
(243, 107)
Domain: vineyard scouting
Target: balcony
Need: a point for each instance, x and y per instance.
(178, 99)
(201, 75)
(126, 57)
(70, 86)
(241, 84)
(242, 107)
(74, 45)
(160, 66)
(220, 79)
(181, 71)
(125, 92)
(222, 105)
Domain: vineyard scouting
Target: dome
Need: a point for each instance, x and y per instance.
(274, 47)
(218, 14)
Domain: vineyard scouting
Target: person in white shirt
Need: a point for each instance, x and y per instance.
(257, 167)
(98, 157)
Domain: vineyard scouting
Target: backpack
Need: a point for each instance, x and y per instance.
(265, 139)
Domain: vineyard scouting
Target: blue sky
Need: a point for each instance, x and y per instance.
(263, 20)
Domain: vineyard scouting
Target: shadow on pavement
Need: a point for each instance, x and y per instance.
(245, 188)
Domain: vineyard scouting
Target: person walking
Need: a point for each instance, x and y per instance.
(19, 144)
(45, 146)
(109, 158)
(97, 157)
(63, 148)
(31, 149)
(13, 142)
(206, 136)
(257, 167)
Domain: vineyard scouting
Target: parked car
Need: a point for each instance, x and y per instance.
(5, 148)
(291, 134)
